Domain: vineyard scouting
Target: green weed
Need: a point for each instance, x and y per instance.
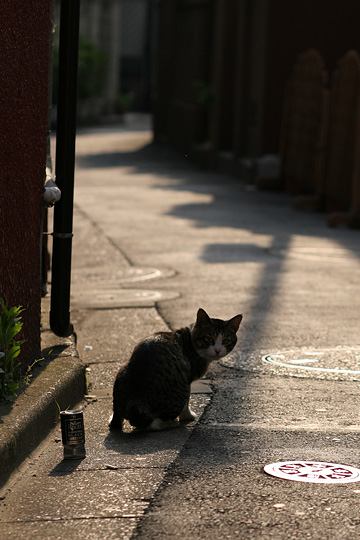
(10, 347)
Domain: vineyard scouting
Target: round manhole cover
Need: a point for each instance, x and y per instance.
(131, 274)
(136, 273)
(101, 298)
(340, 361)
(337, 363)
(318, 472)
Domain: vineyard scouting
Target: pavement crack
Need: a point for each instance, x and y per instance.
(101, 231)
(115, 308)
(74, 518)
(107, 469)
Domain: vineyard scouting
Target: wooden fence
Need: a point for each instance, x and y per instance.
(320, 141)
(302, 129)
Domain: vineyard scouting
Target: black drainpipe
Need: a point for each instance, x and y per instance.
(65, 163)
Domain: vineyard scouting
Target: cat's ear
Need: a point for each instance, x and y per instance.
(202, 317)
(234, 323)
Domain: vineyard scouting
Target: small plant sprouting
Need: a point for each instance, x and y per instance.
(10, 347)
(28, 374)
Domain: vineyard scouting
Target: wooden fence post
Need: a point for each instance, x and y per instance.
(342, 168)
(304, 129)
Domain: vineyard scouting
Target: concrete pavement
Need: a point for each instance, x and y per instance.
(154, 240)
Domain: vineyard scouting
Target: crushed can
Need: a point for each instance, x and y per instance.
(73, 434)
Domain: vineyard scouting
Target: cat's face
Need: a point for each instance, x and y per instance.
(214, 338)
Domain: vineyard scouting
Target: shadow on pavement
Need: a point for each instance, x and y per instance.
(266, 212)
(233, 205)
(65, 467)
(144, 442)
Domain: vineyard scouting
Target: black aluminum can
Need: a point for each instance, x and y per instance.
(73, 434)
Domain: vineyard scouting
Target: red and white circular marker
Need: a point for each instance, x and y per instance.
(319, 472)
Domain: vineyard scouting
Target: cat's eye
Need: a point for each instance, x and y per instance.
(205, 342)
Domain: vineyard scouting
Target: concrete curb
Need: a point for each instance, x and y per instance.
(60, 383)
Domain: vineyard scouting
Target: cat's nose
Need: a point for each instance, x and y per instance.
(217, 351)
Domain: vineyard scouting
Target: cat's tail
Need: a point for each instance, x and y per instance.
(137, 416)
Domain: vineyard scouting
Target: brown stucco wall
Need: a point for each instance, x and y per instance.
(24, 61)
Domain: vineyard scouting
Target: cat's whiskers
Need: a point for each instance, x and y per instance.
(217, 350)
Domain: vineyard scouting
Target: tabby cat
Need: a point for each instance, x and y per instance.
(153, 389)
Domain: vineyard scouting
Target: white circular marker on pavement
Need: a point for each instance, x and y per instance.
(337, 361)
(318, 472)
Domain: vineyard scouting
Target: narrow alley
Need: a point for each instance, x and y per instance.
(154, 240)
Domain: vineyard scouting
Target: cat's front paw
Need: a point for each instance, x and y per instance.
(187, 416)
